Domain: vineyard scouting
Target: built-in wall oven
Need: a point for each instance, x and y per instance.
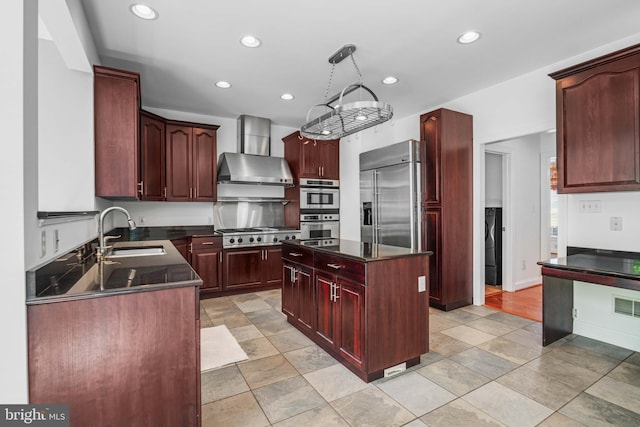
(319, 226)
(319, 194)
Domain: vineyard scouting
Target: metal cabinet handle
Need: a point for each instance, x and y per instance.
(220, 257)
(335, 294)
(141, 188)
(336, 266)
(207, 243)
(165, 192)
(294, 254)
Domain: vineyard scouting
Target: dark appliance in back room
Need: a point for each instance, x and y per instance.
(493, 246)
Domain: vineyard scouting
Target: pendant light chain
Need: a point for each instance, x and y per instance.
(353, 59)
(326, 93)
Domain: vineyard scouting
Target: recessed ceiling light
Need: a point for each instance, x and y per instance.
(287, 96)
(468, 37)
(250, 41)
(223, 85)
(143, 11)
(390, 80)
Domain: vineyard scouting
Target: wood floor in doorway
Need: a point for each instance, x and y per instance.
(524, 303)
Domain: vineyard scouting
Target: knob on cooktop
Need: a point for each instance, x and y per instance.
(251, 239)
(259, 239)
(232, 240)
(275, 239)
(239, 239)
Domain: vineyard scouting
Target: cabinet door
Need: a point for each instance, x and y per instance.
(310, 159)
(351, 299)
(326, 312)
(116, 120)
(178, 150)
(430, 153)
(152, 162)
(599, 128)
(208, 266)
(242, 268)
(306, 298)
(204, 165)
(272, 266)
(432, 241)
(289, 290)
(330, 167)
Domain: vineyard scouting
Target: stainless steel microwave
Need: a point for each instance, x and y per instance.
(318, 195)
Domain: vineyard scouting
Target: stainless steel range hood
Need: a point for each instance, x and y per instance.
(252, 164)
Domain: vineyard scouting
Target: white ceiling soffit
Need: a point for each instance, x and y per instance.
(57, 24)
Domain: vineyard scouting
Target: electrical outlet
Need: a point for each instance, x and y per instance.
(615, 223)
(56, 240)
(524, 264)
(140, 220)
(43, 238)
(422, 283)
(574, 313)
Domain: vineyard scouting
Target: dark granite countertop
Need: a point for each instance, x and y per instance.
(77, 274)
(361, 251)
(624, 265)
(142, 234)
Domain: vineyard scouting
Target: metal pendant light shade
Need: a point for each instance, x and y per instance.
(346, 119)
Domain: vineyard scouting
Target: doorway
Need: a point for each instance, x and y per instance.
(526, 195)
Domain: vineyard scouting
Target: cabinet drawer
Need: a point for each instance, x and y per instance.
(298, 255)
(212, 242)
(344, 267)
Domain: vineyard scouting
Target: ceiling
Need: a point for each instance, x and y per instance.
(194, 43)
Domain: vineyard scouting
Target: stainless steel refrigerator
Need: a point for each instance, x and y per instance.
(390, 195)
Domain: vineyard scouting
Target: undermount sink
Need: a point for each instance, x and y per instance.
(131, 251)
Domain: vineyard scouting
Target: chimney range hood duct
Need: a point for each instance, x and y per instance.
(252, 164)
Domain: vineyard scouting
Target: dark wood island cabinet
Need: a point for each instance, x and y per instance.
(365, 304)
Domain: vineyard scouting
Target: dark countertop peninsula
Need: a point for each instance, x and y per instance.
(607, 267)
(361, 251)
(78, 275)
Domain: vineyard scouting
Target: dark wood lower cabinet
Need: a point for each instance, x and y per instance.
(257, 267)
(206, 260)
(119, 360)
(370, 314)
(341, 306)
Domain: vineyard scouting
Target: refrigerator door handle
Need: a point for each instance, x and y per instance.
(376, 207)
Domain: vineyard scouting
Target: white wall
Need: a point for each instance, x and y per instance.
(493, 180)
(15, 118)
(65, 129)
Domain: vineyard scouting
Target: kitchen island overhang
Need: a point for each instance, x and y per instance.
(365, 304)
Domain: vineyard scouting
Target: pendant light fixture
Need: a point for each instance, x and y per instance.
(345, 119)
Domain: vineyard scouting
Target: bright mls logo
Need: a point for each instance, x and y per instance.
(34, 415)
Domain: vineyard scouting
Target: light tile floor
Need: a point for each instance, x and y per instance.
(485, 368)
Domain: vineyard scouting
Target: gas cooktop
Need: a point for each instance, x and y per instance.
(256, 236)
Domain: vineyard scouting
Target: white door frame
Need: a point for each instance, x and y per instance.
(508, 215)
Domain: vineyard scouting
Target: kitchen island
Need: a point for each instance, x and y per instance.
(118, 340)
(601, 267)
(365, 304)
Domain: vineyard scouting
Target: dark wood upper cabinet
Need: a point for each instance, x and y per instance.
(116, 132)
(139, 155)
(308, 158)
(447, 221)
(152, 157)
(598, 124)
(191, 162)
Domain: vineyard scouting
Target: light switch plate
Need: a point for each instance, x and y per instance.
(43, 239)
(615, 223)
